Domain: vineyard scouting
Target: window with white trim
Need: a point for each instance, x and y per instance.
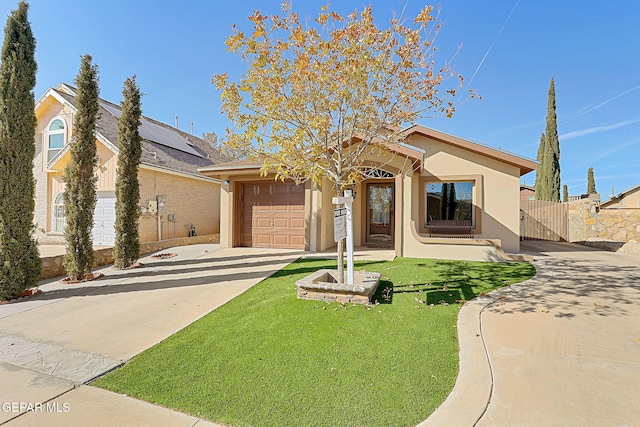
(59, 217)
(56, 138)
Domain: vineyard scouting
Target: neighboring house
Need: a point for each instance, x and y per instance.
(401, 205)
(168, 174)
(527, 194)
(629, 198)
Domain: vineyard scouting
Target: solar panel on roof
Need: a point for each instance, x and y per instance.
(158, 134)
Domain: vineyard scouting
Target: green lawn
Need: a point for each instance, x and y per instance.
(269, 359)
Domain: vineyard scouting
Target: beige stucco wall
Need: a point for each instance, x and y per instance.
(193, 201)
(630, 200)
(498, 203)
(497, 195)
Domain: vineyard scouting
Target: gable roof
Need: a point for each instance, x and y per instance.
(525, 165)
(163, 147)
(615, 199)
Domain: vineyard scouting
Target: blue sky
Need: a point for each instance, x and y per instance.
(510, 51)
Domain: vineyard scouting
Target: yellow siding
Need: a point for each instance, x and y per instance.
(47, 111)
(106, 170)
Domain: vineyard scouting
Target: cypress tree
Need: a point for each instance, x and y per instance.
(127, 242)
(444, 206)
(591, 182)
(542, 176)
(79, 178)
(565, 193)
(553, 146)
(452, 201)
(19, 258)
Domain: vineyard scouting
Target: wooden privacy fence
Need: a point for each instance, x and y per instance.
(543, 220)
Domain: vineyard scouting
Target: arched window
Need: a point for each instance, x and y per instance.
(56, 138)
(373, 173)
(59, 221)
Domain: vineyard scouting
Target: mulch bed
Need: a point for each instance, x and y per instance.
(164, 255)
(86, 278)
(22, 295)
(131, 267)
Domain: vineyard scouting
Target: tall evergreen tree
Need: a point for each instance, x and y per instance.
(127, 242)
(444, 202)
(548, 173)
(19, 259)
(565, 193)
(452, 201)
(553, 146)
(591, 182)
(542, 176)
(79, 178)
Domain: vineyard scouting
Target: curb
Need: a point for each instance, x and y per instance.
(471, 394)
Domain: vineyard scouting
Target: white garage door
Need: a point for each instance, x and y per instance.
(104, 218)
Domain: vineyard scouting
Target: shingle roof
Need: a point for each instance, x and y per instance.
(194, 153)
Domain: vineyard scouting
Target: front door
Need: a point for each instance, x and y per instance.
(380, 217)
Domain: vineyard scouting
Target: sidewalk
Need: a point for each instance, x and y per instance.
(51, 344)
(561, 349)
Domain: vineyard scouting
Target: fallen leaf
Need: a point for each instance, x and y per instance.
(596, 304)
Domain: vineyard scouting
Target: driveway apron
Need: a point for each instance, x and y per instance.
(53, 343)
(566, 352)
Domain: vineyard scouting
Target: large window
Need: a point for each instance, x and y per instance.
(55, 138)
(449, 203)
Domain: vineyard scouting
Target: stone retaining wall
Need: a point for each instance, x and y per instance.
(621, 225)
(611, 229)
(52, 266)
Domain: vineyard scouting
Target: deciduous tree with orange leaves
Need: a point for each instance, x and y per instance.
(318, 96)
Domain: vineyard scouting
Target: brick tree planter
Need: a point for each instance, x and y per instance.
(323, 286)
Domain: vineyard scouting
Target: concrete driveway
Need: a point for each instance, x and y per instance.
(55, 342)
(562, 349)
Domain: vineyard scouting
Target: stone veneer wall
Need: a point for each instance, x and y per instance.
(621, 225)
(52, 266)
(611, 229)
(582, 220)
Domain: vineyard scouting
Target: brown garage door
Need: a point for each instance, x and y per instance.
(272, 215)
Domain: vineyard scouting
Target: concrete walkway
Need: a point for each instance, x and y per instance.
(53, 343)
(562, 349)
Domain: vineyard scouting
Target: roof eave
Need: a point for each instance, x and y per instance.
(523, 164)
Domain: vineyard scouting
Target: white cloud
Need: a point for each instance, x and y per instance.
(602, 104)
(578, 133)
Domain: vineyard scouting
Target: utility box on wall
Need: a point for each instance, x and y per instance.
(162, 205)
(152, 206)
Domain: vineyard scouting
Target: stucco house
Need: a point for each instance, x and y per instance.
(434, 195)
(628, 199)
(174, 198)
(527, 194)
